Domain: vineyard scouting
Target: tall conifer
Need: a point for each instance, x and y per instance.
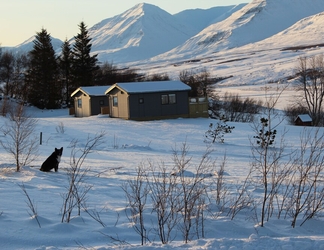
(84, 65)
(42, 74)
(65, 64)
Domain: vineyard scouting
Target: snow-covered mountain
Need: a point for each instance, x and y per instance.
(29, 44)
(150, 38)
(272, 60)
(307, 32)
(139, 33)
(144, 31)
(202, 18)
(256, 21)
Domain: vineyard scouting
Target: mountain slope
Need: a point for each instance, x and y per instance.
(140, 32)
(305, 33)
(256, 21)
(202, 18)
(28, 45)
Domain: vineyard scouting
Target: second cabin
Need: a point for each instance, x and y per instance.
(148, 100)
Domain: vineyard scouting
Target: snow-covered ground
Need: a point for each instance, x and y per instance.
(257, 69)
(126, 145)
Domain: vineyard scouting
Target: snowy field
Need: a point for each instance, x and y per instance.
(254, 70)
(125, 146)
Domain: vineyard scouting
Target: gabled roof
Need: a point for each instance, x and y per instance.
(92, 90)
(304, 118)
(150, 87)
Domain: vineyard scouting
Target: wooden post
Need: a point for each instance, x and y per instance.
(40, 138)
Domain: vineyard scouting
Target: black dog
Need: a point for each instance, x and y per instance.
(52, 161)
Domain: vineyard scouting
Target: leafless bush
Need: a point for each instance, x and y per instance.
(267, 158)
(307, 196)
(221, 189)
(192, 189)
(30, 204)
(19, 138)
(94, 214)
(60, 128)
(235, 108)
(136, 192)
(163, 193)
(77, 188)
(241, 198)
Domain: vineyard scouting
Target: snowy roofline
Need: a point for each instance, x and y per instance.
(304, 118)
(92, 90)
(149, 87)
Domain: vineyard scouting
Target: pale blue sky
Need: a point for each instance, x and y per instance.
(21, 19)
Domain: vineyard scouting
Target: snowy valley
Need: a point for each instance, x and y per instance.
(255, 45)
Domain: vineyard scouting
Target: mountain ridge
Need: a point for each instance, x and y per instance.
(133, 34)
(262, 18)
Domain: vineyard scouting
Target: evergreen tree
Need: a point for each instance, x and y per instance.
(84, 65)
(65, 64)
(42, 74)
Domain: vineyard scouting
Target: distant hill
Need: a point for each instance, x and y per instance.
(202, 18)
(256, 21)
(142, 32)
(29, 44)
(139, 33)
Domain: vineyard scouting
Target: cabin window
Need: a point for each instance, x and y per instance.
(168, 99)
(165, 99)
(115, 101)
(172, 99)
(79, 103)
(141, 100)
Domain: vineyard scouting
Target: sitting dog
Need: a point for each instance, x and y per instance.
(52, 161)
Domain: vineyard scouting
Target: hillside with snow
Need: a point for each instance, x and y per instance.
(238, 44)
(139, 33)
(251, 66)
(29, 44)
(202, 18)
(143, 31)
(257, 21)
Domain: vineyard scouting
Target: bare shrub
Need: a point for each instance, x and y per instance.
(136, 192)
(19, 140)
(163, 193)
(267, 159)
(30, 204)
(307, 191)
(235, 108)
(241, 198)
(192, 189)
(77, 188)
(60, 129)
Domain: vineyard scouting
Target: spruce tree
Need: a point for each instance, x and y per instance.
(84, 65)
(42, 74)
(65, 65)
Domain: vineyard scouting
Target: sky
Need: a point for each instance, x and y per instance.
(21, 19)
